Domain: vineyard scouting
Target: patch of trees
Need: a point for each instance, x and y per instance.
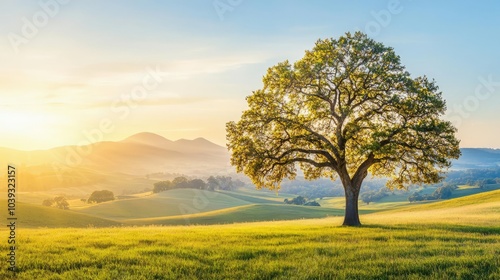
(374, 196)
(483, 184)
(212, 183)
(222, 183)
(443, 192)
(474, 177)
(318, 189)
(101, 196)
(313, 189)
(57, 202)
(300, 200)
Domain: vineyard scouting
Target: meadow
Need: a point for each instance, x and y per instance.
(454, 239)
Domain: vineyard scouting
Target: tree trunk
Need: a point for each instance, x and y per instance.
(351, 217)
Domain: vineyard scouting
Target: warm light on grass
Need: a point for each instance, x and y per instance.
(455, 239)
(280, 250)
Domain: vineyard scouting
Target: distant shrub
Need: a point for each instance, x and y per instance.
(48, 202)
(58, 202)
(101, 196)
(312, 203)
(300, 200)
(443, 192)
(373, 196)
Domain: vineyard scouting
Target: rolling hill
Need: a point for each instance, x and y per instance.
(246, 213)
(170, 203)
(196, 207)
(137, 155)
(481, 209)
(34, 216)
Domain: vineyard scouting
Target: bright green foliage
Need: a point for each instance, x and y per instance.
(346, 109)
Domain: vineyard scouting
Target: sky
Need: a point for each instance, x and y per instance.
(81, 71)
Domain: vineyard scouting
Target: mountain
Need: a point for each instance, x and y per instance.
(148, 138)
(99, 164)
(198, 145)
(477, 158)
(137, 155)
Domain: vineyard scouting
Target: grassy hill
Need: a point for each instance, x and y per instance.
(475, 199)
(33, 216)
(170, 203)
(190, 206)
(394, 244)
(247, 213)
(481, 209)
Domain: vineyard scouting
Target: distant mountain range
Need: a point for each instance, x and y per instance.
(145, 153)
(139, 154)
(478, 158)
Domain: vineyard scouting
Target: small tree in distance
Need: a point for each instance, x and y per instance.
(346, 109)
(48, 202)
(101, 196)
(58, 202)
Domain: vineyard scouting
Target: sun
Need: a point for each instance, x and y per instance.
(23, 129)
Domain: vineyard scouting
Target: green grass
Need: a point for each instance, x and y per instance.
(34, 216)
(476, 199)
(481, 209)
(247, 213)
(465, 190)
(455, 239)
(254, 198)
(312, 249)
(169, 203)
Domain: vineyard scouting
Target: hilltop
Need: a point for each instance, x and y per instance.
(199, 207)
(122, 166)
(35, 216)
(102, 163)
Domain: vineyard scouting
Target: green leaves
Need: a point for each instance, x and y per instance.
(348, 107)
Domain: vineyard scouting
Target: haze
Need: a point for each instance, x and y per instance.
(182, 69)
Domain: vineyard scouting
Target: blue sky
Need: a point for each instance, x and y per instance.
(85, 59)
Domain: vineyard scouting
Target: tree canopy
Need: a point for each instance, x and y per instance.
(346, 109)
(101, 196)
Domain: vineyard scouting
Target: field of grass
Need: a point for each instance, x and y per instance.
(34, 216)
(247, 213)
(169, 203)
(465, 190)
(311, 249)
(455, 239)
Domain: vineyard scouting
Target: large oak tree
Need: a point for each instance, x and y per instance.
(347, 109)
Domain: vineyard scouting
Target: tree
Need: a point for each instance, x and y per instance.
(101, 196)
(220, 182)
(48, 202)
(61, 202)
(346, 109)
(197, 184)
(162, 186)
(443, 192)
(416, 196)
(312, 203)
(58, 201)
(212, 183)
(368, 197)
(179, 182)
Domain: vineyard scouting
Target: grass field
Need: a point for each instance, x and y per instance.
(247, 213)
(455, 239)
(35, 216)
(170, 203)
